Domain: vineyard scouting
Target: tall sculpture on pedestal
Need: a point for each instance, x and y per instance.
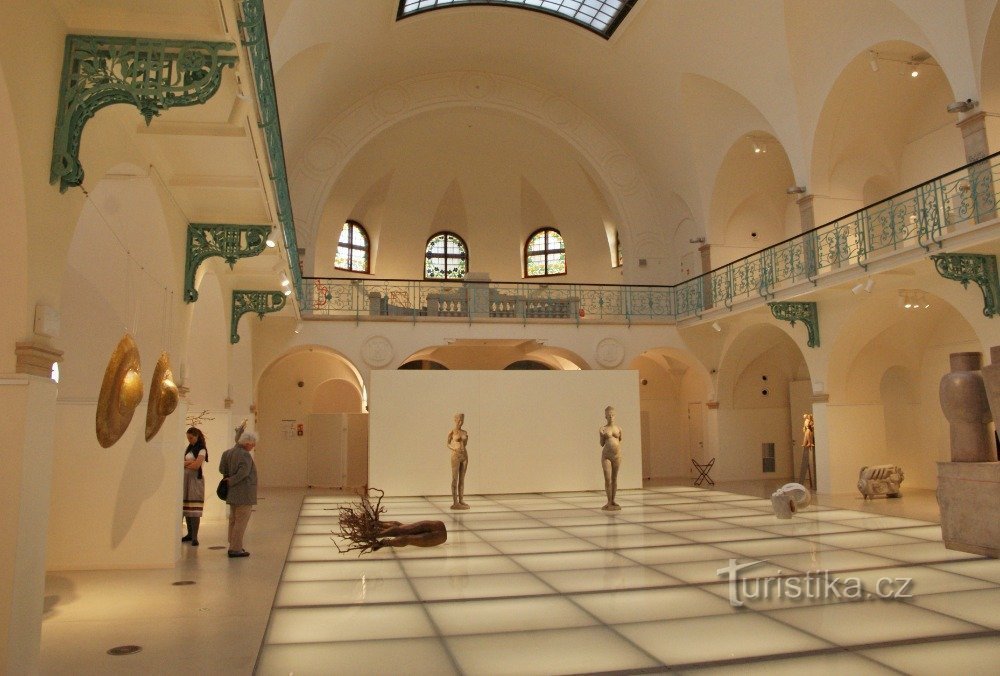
(969, 486)
(457, 440)
(611, 457)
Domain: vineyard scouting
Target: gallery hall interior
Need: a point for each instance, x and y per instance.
(521, 336)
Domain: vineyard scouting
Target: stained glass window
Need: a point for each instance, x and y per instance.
(545, 254)
(446, 257)
(352, 248)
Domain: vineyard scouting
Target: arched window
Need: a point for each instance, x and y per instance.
(446, 257)
(545, 254)
(352, 248)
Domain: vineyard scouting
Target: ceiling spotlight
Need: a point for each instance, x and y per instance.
(298, 327)
(715, 325)
(869, 285)
(858, 288)
(873, 60)
(795, 189)
(284, 280)
(916, 71)
(287, 291)
(962, 106)
(270, 243)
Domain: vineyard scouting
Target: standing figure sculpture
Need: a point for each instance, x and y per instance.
(611, 457)
(808, 469)
(457, 440)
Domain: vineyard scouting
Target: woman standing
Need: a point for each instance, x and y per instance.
(195, 455)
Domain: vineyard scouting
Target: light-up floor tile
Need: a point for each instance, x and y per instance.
(505, 615)
(607, 529)
(325, 540)
(347, 623)
(921, 532)
(557, 651)
(983, 569)
(344, 569)
(827, 664)
(655, 555)
(327, 553)
(913, 580)
(461, 566)
(771, 547)
(800, 527)
(867, 538)
(726, 512)
(497, 524)
(571, 560)
(689, 524)
(536, 546)
(981, 606)
(336, 592)
(314, 529)
(718, 637)
(923, 552)
(722, 535)
(701, 572)
(639, 540)
(479, 586)
(831, 559)
(962, 656)
(867, 622)
(593, 518)
(422, 657)
(652, 604)
(448, 550)
(884, 522)
(833, 515)
(521, 534)
(775, 594)
(654, 519)
(759, 520)
(607, 579)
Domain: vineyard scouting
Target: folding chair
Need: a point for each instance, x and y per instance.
(703, 471)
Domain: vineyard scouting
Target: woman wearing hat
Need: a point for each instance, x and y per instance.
(195, 455)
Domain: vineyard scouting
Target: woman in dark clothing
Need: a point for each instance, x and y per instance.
(195, 455)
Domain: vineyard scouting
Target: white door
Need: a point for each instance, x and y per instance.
(695, 435)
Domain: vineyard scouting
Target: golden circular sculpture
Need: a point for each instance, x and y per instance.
(121, 392)
(163, 396)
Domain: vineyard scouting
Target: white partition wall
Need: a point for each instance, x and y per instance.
(528, 430)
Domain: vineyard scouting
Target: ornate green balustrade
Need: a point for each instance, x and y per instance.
(916, 218)
(254, 28)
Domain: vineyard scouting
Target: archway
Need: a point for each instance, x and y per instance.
(764, 388)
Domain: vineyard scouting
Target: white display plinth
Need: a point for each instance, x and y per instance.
(528, 431)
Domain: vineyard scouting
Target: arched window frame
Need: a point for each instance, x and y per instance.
(549, 253)
(353, 230)
(451, 242)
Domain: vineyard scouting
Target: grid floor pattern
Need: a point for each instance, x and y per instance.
(547, 583)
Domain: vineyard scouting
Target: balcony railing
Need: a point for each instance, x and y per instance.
(919, 217)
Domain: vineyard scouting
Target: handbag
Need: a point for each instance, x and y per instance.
(223, 490)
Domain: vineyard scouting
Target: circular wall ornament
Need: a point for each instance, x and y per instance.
(622, 169)
(377, 351)
(610, 353)
(391, 101)
(323, 154)
(478, 85)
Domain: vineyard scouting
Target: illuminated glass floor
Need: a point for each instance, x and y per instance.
(550, 584)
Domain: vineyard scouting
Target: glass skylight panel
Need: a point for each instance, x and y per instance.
(600, 16)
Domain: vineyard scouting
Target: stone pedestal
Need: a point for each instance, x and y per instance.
(969, 496)
(964, 402)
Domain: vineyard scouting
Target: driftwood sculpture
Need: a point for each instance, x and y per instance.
(364, 530)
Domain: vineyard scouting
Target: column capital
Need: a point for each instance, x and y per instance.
(36, 358)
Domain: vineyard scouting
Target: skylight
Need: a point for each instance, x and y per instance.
(600, 16)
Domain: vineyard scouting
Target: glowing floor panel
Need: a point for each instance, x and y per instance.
(681, 579)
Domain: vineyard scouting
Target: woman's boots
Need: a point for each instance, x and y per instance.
(193, 522)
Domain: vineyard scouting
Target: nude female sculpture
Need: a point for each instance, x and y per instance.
(611, 457)
(457, 440)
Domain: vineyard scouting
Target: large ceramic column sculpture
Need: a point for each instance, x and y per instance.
(964, 402)
(968, 489)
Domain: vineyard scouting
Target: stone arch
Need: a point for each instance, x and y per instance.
(14, 252)
(989, 79)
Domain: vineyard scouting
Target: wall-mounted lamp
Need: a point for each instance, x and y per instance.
(795, 189)
(962, 106)
(716, 327)
(697, 240)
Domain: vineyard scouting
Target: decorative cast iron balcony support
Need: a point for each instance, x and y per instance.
(261, 302)
(232, 242)
(978, 268)
(799, 312)
(152, 75)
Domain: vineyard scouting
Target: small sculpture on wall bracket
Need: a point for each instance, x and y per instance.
(458, 439)
(880, 480)
(789, 499)
(364, 531)
(611, 457)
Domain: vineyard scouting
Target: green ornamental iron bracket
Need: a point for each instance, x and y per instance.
(261, 302)
(152, 75)
(799, 312)
(978, 268)
(232, 242)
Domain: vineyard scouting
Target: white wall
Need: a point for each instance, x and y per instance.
(528, 430)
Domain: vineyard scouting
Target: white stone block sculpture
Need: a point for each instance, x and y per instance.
(789, 499)
(880, 480)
